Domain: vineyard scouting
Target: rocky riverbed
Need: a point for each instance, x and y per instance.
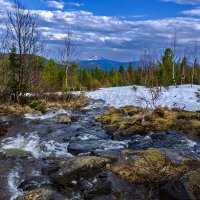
(66, 154)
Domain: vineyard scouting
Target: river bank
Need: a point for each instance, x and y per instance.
(49, 155)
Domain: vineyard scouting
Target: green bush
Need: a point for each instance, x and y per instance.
(39, 105)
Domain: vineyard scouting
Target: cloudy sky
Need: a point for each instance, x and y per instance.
(117, 29)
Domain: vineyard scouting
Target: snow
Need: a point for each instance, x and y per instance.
(182, 97)
(95, 58)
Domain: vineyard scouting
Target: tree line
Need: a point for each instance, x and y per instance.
(23, 71)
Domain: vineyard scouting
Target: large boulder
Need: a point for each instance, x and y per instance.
(77, 168)
(191, 182)
(187, 188)
(173, 190)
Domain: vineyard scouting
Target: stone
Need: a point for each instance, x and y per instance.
(191, 182)
(64, 119)
(101, 187)
(173, 190)
(50, 169)
(78, 167)
(41, 194)
(16, 153)
(35, 182)
(140, 144)
(77, 147)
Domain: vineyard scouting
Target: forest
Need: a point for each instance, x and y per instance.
(24, 68)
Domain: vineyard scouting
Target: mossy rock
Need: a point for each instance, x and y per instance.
(160, 119)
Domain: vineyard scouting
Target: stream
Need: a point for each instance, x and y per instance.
(36, 141)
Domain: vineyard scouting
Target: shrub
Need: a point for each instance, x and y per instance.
(39, 105)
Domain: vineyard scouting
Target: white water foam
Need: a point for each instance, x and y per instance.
(47, 115)
(13, 181)
(32, 143)
(86, 137)
(112, 145)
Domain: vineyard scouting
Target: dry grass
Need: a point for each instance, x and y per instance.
(161, 119)
(15, 109)
(151, 168)
(74, 103)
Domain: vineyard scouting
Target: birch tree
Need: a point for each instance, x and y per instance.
(68, 54)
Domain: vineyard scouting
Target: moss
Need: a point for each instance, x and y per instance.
(152, 168)
(162, 119)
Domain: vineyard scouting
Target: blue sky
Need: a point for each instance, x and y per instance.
(117, 29)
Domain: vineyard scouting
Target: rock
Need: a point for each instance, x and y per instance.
(172, 132)
(42, 194)
(74, 118)
(122, 189)
(84, 185)
(111, 129)
(159, 136)
(101, 187)
(3, 129)
(85, 109)
(140, 144)
(50, 169)
(64, 119)
(191, 182)
(77, 168)
(35, 182)
(173, 190)
(16, 153)
(77, 147)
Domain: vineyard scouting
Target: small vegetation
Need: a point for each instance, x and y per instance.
(152, 168)
(198, 95)
(39, 105)
(35, 105)
(134, 120)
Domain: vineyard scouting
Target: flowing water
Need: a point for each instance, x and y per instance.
(35, 141)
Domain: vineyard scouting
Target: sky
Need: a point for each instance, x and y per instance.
(116, 29)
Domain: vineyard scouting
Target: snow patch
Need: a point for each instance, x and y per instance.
(182, 97)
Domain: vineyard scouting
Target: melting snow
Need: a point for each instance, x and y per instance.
(181, 97)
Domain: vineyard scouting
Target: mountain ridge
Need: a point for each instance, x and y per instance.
(107, 64)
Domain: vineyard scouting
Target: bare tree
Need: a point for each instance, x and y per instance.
(3, 56)
(68, 54)
(148, 64)
(24, 35)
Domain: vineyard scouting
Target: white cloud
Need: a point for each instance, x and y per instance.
(75, 4)
(192, 2)
(114, 37)
(55, 4)
(193, 12)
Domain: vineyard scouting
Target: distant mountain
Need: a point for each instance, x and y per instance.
(106, 64)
